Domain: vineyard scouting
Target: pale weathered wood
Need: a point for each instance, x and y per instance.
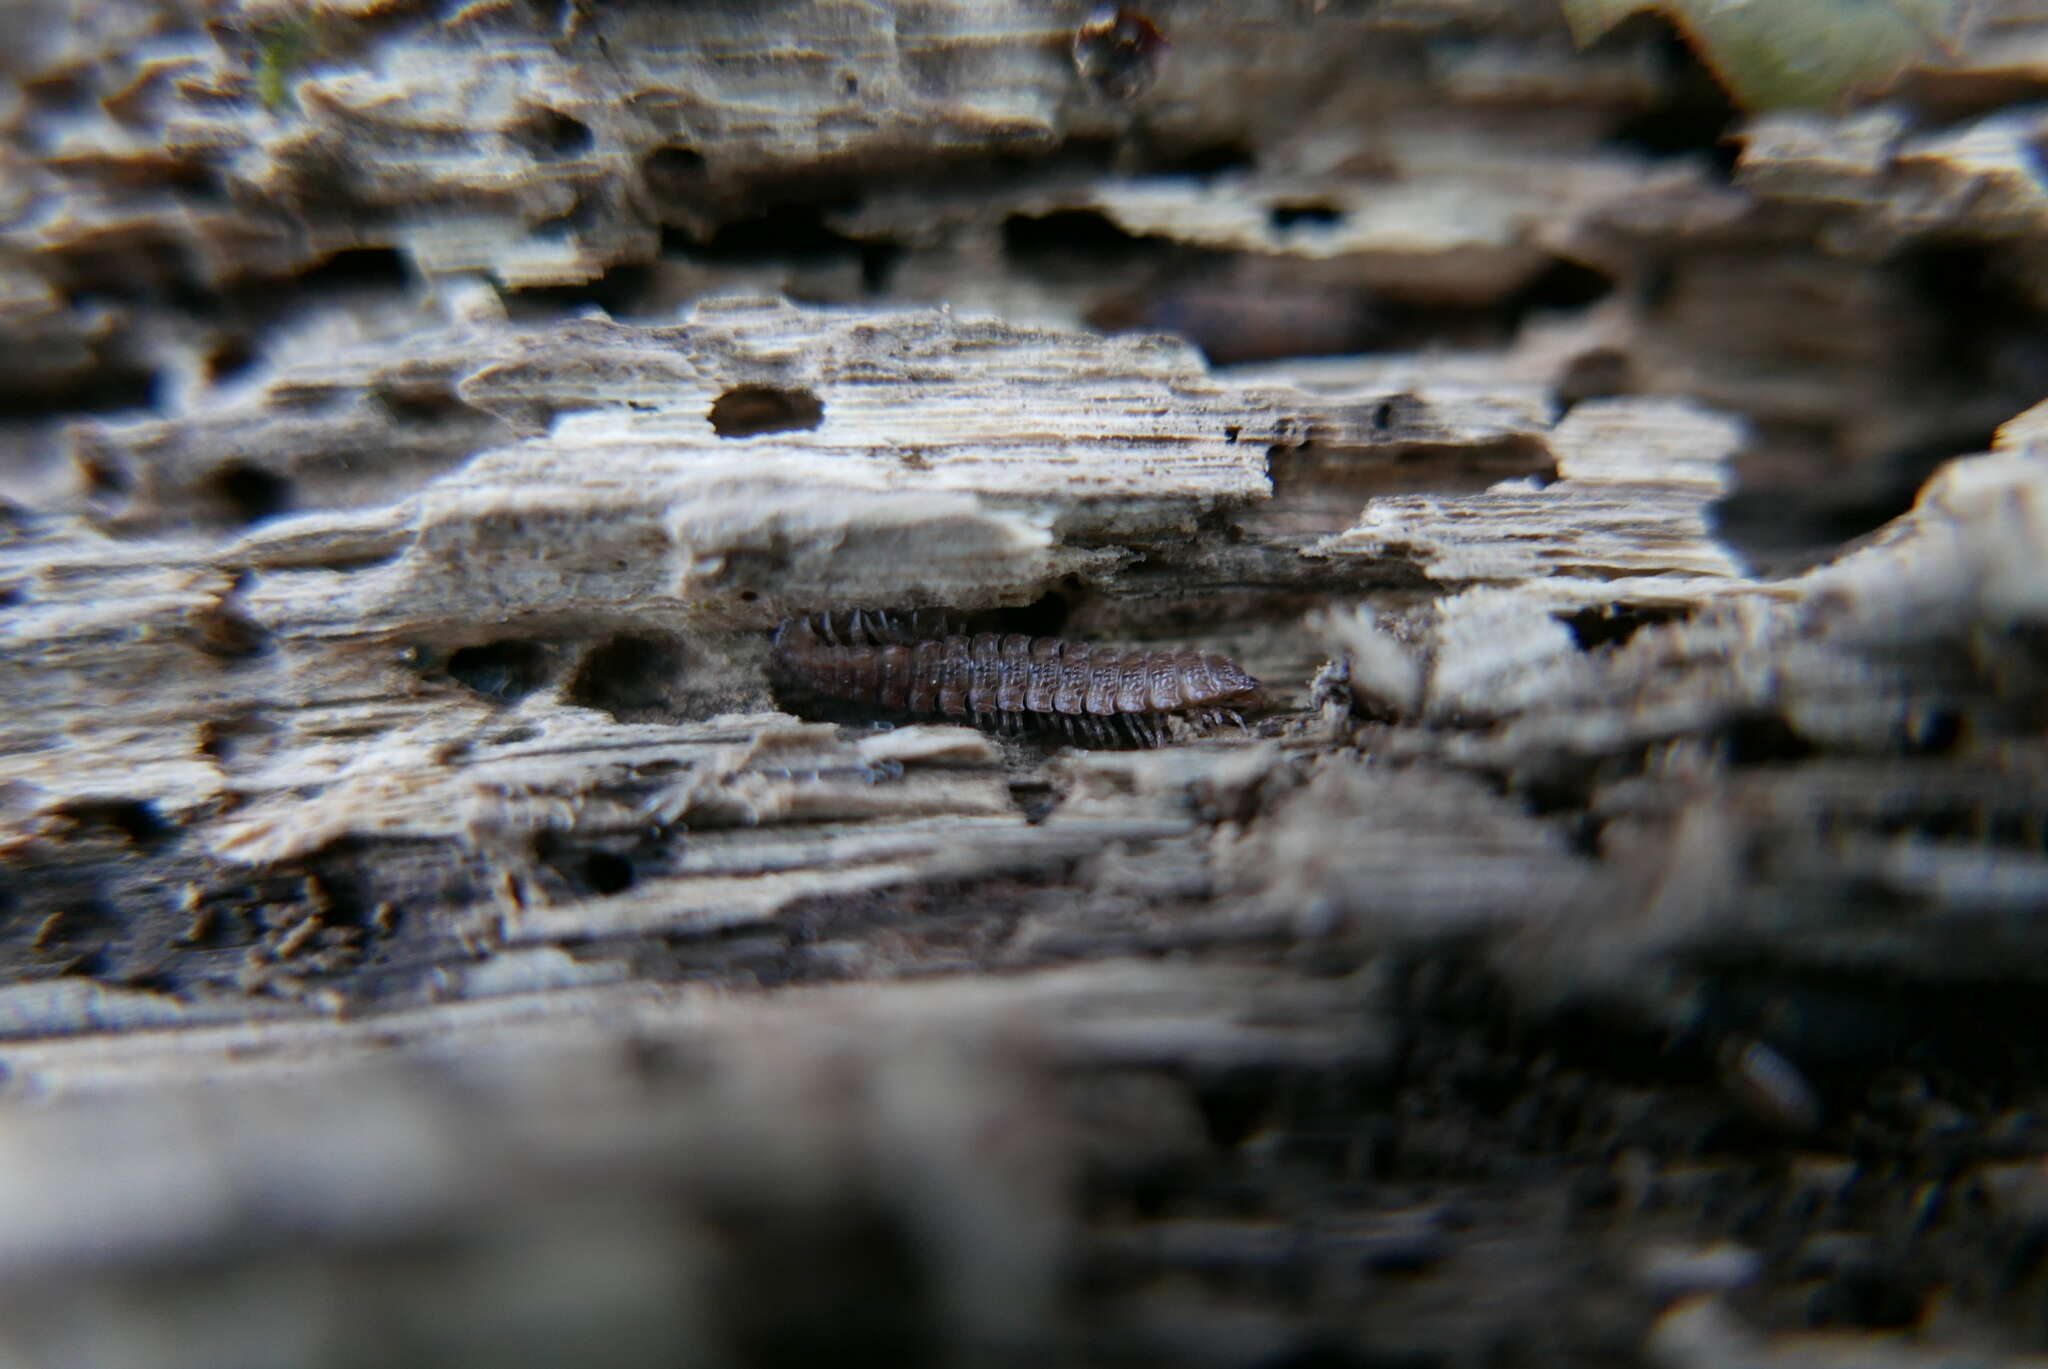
(428, 935)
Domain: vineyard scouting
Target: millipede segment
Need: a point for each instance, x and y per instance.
(1100, 695)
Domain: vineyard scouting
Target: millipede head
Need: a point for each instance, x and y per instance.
(1233, 685)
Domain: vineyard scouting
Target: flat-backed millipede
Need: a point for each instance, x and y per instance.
(1102, 695)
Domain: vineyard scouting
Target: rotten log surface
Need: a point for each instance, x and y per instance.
(1619, 940)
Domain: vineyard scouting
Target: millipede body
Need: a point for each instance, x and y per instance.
(1101, 694)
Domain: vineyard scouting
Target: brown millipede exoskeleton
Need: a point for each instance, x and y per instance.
(1103, 695)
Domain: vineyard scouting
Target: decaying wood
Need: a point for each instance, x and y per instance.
(1619, 941)
(368, 759)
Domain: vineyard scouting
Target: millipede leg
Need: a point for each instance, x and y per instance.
(1237, 718)
(825, 629)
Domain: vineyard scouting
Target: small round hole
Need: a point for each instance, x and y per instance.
(750, 410)
(249, 493)
(505, 670)
(607, 873)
